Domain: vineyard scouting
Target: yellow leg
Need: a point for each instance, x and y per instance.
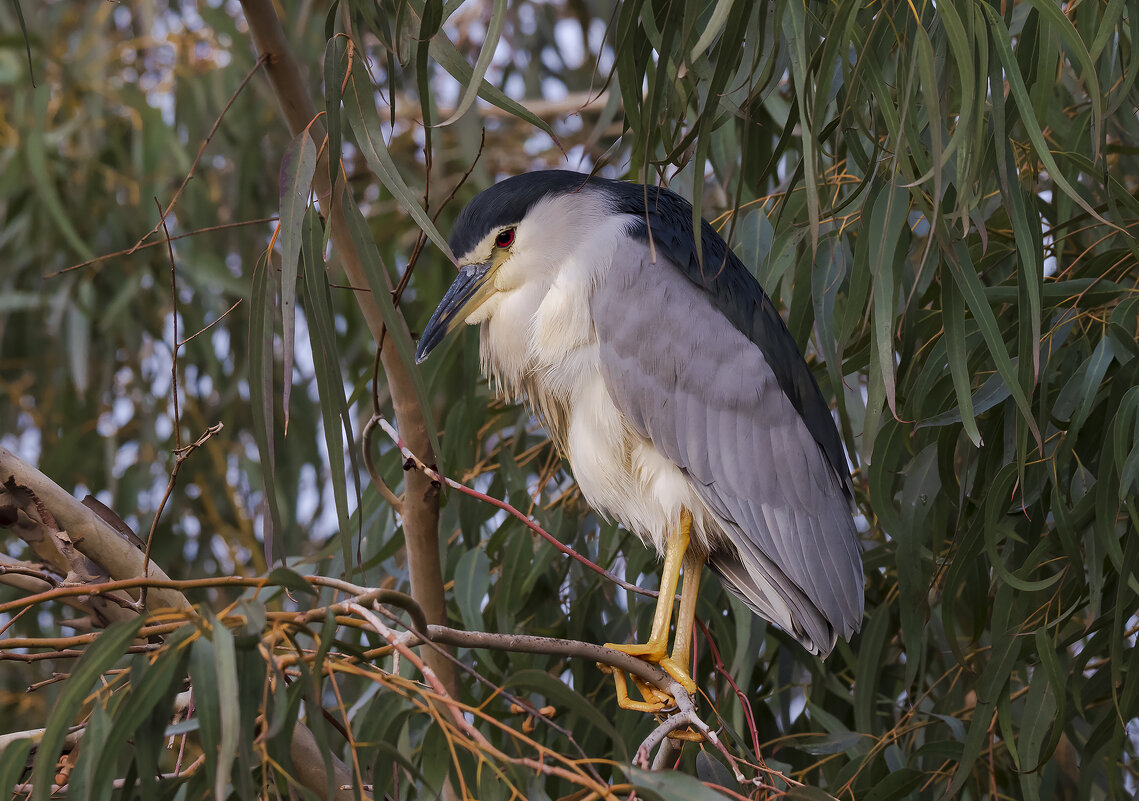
(656, 649)
(677, 664)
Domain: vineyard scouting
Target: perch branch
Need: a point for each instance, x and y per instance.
(456, 710)
(684, 716)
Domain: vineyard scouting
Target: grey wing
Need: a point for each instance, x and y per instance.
(702, 392)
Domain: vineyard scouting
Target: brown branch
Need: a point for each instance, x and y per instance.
(31, 579)
(90, 534)
(421, 498)
(684, 716)
(457, 711)
(70, 653)
(522, 704)
(259, 582)
(129, 251)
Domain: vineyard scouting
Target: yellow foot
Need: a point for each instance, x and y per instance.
(687, 735)
(654, 701)
(656, 653)
(651, 651)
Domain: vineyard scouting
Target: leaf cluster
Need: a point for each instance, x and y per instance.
(941, 197)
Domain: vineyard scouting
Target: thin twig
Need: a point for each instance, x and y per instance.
(421, 239)
(180, 455)
(221, 317)
(72, 653)
(373, 472)
(684, 716)
(745, 702)
(506, 695)
(174, 319)
(413, 461)
(261, 59)
(207, 230)
(457, 710)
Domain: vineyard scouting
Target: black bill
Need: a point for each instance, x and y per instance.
(466, 294)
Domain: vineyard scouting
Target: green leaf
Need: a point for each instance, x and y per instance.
(472, 581)
(204, 684)
(899, 784)
(489, 45)
(360, 106)
(870, 655)
(381, 293)
(887, 219)
(965, 275)
(298, 165)
(1001, 40)
(445, 53)
(1075, 46)
(13, 760)
(669, 785)
(262, 397)
(99, 657)
(338, 434)
(229, 707)
(570, 701)
(335, 71)
(151, 686)
(291, 580)
(43, 181)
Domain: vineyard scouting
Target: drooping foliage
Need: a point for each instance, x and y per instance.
(942, 198)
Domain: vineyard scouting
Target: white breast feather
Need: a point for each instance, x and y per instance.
(555, 363)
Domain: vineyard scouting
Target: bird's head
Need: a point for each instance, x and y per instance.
(518, 234)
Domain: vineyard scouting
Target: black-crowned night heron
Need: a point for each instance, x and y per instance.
(674, 390)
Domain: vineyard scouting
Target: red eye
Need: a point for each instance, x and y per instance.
(505, 238)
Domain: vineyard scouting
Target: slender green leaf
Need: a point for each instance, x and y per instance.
(472, 581)
(360, 106)
(672, 786)
(298, 165)
(228, 707)
(396, 329)
(478, 74)
(1001, 41)
(99, 657)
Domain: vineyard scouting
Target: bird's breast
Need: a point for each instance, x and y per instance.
(554, 364)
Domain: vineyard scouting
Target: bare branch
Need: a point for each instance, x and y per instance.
(90, 534)
(180, 455)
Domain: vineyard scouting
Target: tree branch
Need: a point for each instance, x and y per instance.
(421, 497)
(24, 489)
